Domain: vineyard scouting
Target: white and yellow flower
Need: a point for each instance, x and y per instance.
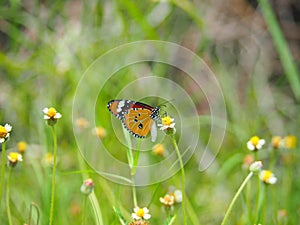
(255, 143)
(167, 200)
(14, 158)
(141, 213)
(167, 123)
(5, 132)
(267, 177)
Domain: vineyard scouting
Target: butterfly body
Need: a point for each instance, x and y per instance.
(137, 117)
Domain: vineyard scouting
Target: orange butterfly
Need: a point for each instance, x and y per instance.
(138, 118)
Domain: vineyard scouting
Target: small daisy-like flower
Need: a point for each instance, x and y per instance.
(22, 145)
(14, 158)
(48, 159)
(267, 177)
(255, 143)
(87, 187)
(141, 213)
(81, 123)
(276, 142)
(100, 132)
(256, 166)
(167, 200)
(5, 132)
(290, 141)
(167, 125)
(51, 115)
(158, 149)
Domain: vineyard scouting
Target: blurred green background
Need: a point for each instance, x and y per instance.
(46, 46)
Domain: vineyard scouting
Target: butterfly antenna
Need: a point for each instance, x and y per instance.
(168, 101)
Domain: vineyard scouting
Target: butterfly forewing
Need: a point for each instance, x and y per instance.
(120, 107)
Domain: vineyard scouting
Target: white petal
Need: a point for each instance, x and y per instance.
(160, 125)
(261, 142)
(172, 119)
(20, 158)
(46, 117)
(7, 135)
(136, 209)
(172, 125)
(8, 127)
(178, 196)
(250, 146)
(147, 216)
(163, 128)
(57, 116)
(272, 180)
(145, 210)
(45, 110)
(2, 140)
(134, 216)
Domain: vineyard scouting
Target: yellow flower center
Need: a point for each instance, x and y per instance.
(3, 132)
(51, 112)
(140, 213)
(267, 175)
(166, 120)
(13, 157)
(254, 140)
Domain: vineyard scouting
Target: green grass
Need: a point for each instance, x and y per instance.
(48, 47)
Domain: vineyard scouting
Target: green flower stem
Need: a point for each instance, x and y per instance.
(136, 157)
(182, 178)
(53, 175)
(7, 197)
(235, 197)
(261, 203)
(273, 159)
(84, 210)
(134, 193)
(3, 156)
(257, 200)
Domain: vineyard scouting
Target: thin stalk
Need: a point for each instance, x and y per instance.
(7, 197)
(235, 197)
(30, 213)
(136, 156)
(2, 169)
(182, 178)
(134, 193)
(53, 175)
(92, 197)
(84, 210)
(261, 204)
(282, 48)
(257, 200)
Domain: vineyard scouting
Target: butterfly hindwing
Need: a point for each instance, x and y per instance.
(138, 122)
